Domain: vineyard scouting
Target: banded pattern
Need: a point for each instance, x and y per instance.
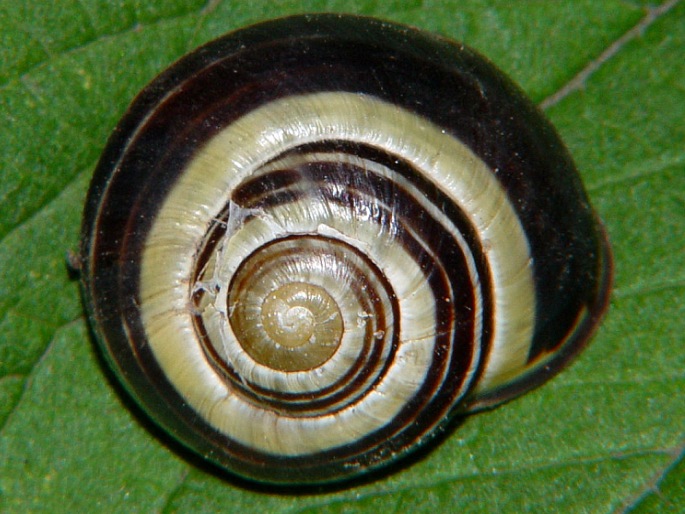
(304, 269)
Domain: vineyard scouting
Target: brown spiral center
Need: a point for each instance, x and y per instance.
(297, 326)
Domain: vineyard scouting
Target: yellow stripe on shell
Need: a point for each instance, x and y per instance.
(231, 157)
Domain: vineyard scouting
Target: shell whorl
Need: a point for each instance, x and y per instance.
(317, 271)
(353, 229)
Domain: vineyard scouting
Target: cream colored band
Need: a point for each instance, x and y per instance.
(234, 155)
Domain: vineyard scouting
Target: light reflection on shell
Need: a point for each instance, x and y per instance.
(312, 243)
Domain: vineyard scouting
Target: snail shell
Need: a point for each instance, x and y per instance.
(312, 243)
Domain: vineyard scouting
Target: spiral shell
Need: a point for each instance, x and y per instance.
(312, 243)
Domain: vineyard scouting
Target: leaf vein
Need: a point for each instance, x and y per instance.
(578, 81)
(649, 288)
(407, 488)
(29, 376)
(45, 203)
(649, 168)
(174, 492)
(21, 73)
(651, 486)
(647, 380)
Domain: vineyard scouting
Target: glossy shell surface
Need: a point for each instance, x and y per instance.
(312, 243)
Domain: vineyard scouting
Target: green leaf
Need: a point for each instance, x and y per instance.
(606, 435)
